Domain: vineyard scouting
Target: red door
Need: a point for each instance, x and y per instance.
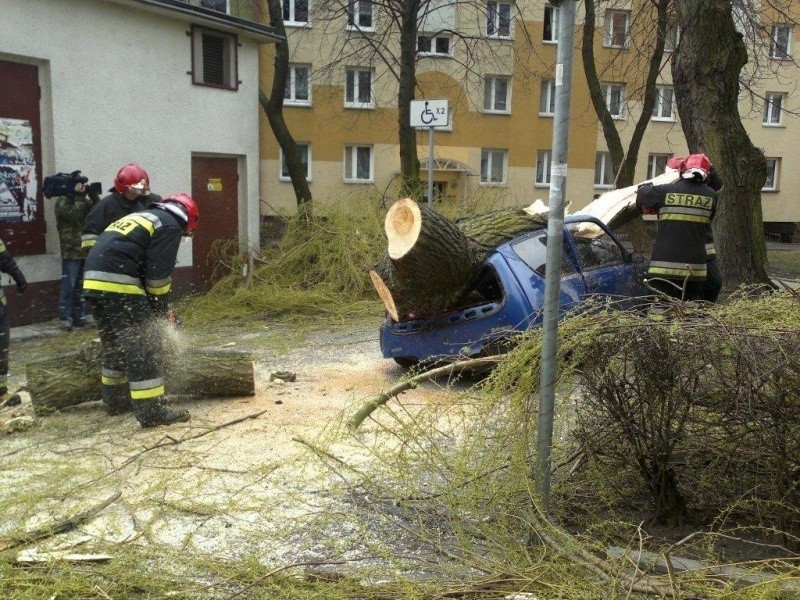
(21, 212)
(215, 188)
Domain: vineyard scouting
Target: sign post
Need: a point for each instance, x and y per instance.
(430, 114)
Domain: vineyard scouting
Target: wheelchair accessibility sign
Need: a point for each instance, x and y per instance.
(430, 113)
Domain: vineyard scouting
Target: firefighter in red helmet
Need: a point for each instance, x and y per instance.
(131, 193)
(685, 209)
(127, 283)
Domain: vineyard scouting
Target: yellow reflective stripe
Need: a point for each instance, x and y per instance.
(159, 291)
(106, 380)
(3, 300)
(2, 247)
(117, 288)
(148, 393)
(665, 271)
(143, 222)
(88, 243)
(683, 217)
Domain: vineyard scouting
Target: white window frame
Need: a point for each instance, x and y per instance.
(547, 98)
(291, 85)
(351, 150)
(603, 166)
(354, 14)
(356, 88)
(552, 15)
(493, 21)
(489, 156)
(773, 165)
(773, 109)
(609, 31)
(284, 175)
(776, 51)
(544, 160)
(658, 107)
(432, 38)
(490, 103)
(608, 88)
(654, 169)
(672, 37)
(292, 20)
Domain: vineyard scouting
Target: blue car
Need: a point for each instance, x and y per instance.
(507, 295)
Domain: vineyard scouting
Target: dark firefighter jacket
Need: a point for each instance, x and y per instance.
(715, 183)
(109, 209)
(135, 255)
(9, 265)
(685, 210)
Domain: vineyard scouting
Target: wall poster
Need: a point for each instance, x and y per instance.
(18, 181)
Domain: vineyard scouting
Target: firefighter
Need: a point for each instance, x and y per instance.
(129, 194)
(127, 282)
(685, 209)
(7, 265)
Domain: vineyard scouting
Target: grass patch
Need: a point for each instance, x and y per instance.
(784, 263)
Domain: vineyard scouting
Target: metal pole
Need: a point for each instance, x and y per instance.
(555, 238)
(430, 165)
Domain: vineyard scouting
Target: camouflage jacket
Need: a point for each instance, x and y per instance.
(71, 213)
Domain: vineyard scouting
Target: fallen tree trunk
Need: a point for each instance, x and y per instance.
(69, 379)
(430, 260)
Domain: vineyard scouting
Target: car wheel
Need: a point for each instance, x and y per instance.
(406, 362)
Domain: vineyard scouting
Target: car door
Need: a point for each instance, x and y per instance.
(604, 264)
(528, 261)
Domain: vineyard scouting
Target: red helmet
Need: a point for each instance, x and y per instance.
(131, 176)
(676, 162)
(189, 212)
(696, 164)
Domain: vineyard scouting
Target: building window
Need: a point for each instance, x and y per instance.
(298, 90)
(603, 171)
(616, 27)
(295, 12)
(657, 164)
(358, 92)
(672, 37)
(550, 33)
(771, 184)
(773, 101)
(214, 58)
(305, 156)
(434, 45)
(218, 5)
(358, 164)
(496, 94)
(498, 19)
(614, 93)
(781, 45)
(543, 167)
(359, 15)
(493, 166)
(547, 98)
(664, 108)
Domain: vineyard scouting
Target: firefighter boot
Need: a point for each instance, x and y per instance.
(152, 413)
(117, 399)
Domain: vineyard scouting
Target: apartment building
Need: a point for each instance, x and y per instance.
(494, 61)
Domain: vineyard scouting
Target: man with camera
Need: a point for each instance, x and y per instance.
(75, 197)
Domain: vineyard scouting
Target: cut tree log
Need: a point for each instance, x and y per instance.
(69, 379)
(430, 260)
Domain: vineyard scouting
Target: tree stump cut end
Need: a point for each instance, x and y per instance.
(385, 294)
(402, 225)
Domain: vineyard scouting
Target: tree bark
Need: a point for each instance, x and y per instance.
(69, 379)
(705, 69)
(273, 107)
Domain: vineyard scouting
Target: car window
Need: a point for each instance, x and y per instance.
(533, 252)
(595, 247)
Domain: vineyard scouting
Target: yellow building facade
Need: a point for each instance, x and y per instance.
(494, 62)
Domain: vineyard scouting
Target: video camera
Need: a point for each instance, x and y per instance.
(63, 184)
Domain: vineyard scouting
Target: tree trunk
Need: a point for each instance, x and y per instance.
(430, 261)
(57, 382)
(273, 107)
(705, 68)
(409, 163)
